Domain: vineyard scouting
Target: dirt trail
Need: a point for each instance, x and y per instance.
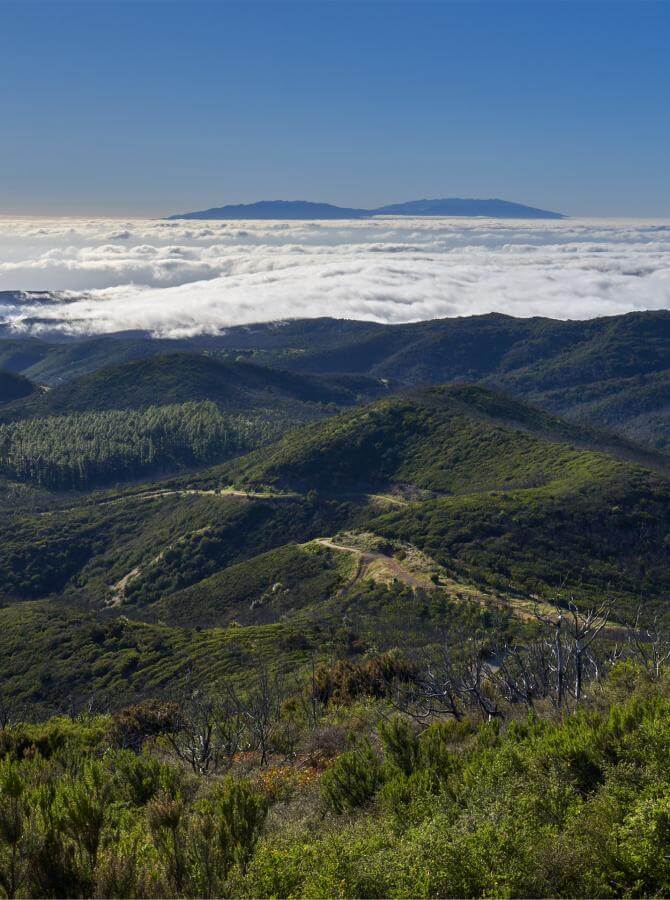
(221, 492)
(383, 568)
(276, 496)
(119, 589)
(167, 492)
(388, 498)
(379, 566)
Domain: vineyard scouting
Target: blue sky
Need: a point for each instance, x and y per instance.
(132, 108)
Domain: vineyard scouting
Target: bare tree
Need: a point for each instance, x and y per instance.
(648, 643)
(11, 711)
(307, 694)
(571, 635)
(262, 708)
(584, 628)
(210, 729)
(437, 690)
(555, 622)
(524, 673)
(477, 682)
(454, 678)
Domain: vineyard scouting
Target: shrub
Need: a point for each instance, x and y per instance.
(133, 725)
(401, 744)
(166, 819)
(353, 779)
(12, 827)
(375, 676)
(138, 778)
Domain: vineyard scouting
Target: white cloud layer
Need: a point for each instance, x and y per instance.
(184, 278)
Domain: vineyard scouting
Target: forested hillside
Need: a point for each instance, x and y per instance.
(492, 492)
(107, 427)
(82, 450)
(234, 386)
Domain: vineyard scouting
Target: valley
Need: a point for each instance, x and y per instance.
(463, 491)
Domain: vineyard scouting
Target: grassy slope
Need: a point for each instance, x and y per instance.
(259, 590)
(458, 439)
(560, 365)
(515, 501)
(175, 540)
(51, 654)
(509, 497)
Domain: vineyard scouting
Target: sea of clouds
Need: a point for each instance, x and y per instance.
(182, 278)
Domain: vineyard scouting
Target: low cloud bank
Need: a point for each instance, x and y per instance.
(184, 278)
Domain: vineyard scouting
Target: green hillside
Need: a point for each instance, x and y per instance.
(423, 506)
(82, 450)
(496, 492)
(565, 367)
(188, 377)
(158, 415)
(14, 387)
(456, 439)
(262, 589)
(490, 488)
(609, 373)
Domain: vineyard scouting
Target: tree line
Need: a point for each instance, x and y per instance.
(81, 450)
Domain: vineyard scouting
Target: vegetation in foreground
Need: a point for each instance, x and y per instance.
(523, 770)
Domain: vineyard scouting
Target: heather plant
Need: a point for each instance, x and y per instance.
(13, 827)
(540, 804)
(401, 743)
(353, 779)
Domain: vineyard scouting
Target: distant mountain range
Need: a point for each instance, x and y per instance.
(303, 209)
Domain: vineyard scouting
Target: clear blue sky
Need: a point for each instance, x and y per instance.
(151, 108)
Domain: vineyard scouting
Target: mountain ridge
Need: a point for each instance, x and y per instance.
(305, 209)
(611, 372)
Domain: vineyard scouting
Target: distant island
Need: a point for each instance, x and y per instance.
(303, 209)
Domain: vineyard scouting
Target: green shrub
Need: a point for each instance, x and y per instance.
(225, 832)
(401, 743)
(13, 815)
(353, 779)
(138, 777)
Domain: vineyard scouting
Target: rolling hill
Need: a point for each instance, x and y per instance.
(488, 487)
(161, 414)
(186, 377)
(396, 518)
(610, 373)
(453, 439)
(497, 492)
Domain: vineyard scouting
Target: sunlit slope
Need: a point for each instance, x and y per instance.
(490, 487)
(454, 439)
